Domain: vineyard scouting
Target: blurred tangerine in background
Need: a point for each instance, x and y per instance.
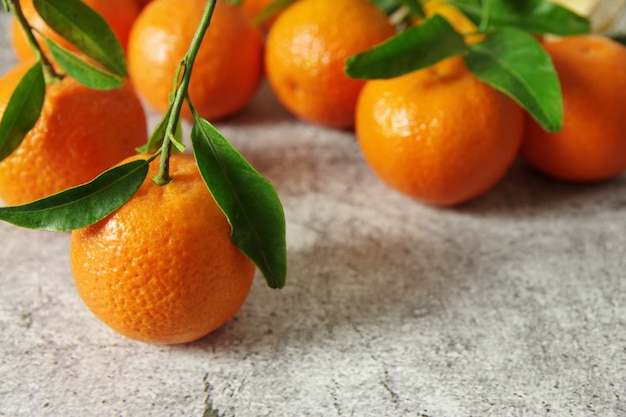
(306, 49)
(591, 145)
(227, 70)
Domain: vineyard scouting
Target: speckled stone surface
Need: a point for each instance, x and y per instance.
(513, 304)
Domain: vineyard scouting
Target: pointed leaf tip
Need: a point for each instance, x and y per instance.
(513, 62)
(83, 205)
(86, 30)
(22, 111)
(248, 200)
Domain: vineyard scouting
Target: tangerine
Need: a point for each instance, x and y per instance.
(591, 144)
(80, 133)
(228, 66)
(162, 269)
(306, 50)
(119, 14)
(438, 134)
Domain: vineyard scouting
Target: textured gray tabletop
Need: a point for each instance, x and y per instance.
(511, 305)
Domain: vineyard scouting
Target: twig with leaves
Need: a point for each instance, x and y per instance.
(248, 200)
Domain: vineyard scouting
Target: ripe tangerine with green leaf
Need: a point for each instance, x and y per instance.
(227, 69)
(80, 133)
(162, 268)
(136, 219)
(439, 134)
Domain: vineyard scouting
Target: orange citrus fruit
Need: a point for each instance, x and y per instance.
(162, 268)
(80, 133)
(306, 50)
(438, 135)
(119, 14)
(591, 145)
(228, 67)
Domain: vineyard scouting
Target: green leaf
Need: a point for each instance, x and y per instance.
(158, 136)
(176, 142)
(86, 30)
(83, 71)
(513, 61)
(80, 206)
(415, 48)
(621, 38)
(22, 110)
(248, 200)
(536, 16)
(388, 6)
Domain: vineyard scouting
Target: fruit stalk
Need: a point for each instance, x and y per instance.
(48, 70)
(163, 177)
(484, 20)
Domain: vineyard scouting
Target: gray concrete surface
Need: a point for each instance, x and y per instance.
(511, 305)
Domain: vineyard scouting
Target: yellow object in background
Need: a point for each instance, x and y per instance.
(582, 7)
